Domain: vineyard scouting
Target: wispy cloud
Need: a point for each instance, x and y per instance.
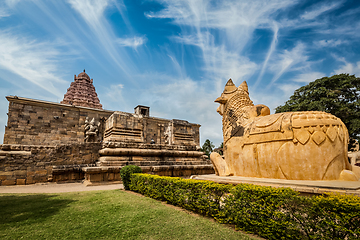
(4, 13)
(183, 98)
(269, 53)
(350, 30)
(131, 42)
(92, 11)
(288, 89)
(5, 8)
(114, 96)
(177, 67)
(319, 9)
(221, 31)
(284, 61)
(330, 43)
(32, 60)
(12, 3)
(218, 61)
(223, 14)
(349, 68)
(308, 77)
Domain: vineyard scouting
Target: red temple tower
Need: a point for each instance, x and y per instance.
(82, 92)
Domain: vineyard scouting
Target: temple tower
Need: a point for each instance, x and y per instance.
(82, 92)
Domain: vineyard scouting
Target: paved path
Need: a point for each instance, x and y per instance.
(56, 188)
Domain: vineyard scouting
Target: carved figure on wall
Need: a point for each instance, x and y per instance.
(91, 130)
(291, 145)
(168, 134)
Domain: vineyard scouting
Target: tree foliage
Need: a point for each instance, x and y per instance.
(207, 147)
(221, 147)
(338, 95)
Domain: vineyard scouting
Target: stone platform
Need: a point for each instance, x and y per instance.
(163, 160)
(305, 187)
(111, 174)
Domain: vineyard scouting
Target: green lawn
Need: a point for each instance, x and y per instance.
(113, 214)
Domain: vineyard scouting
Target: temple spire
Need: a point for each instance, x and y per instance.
(82, 93)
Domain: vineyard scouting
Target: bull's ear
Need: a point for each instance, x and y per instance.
(220, 100)
(244, 86)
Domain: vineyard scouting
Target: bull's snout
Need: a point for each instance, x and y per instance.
(220, 109)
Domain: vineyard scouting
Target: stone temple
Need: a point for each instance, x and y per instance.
(78, 140)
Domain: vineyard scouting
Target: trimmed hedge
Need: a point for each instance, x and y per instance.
(272, 213)
(126, 172)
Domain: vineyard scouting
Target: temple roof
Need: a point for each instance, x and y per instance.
(82, 92)
(83, 75)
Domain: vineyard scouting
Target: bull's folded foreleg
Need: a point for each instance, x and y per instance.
(220, 166)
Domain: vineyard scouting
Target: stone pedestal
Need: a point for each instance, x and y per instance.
(305, 187)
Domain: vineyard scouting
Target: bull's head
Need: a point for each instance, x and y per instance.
(229, 91)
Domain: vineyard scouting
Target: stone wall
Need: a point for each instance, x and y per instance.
(127, 127)
(185, 133)
(28, 164)
(35, 122)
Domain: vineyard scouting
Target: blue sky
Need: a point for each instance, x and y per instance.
(174, 56)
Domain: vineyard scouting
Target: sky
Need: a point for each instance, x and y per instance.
(174, 56)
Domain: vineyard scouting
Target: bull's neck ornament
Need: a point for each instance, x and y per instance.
(293, 145)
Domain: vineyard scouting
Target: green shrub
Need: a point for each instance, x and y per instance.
(126, 172)
(273, 213)
(260, 210)
(199, 196)
(330, 216)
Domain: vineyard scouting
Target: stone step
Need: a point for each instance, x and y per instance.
(151, 163)
(4, 153)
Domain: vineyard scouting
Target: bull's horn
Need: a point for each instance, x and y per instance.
(229, 87)
(244, 86)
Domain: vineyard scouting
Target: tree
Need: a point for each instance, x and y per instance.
(207, 147)
(338, 95)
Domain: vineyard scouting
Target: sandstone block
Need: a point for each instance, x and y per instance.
(8, 182)
(95, 177)
(20, 181)
(111, 177)
(41, 172)
(30, 180)
(40, 178)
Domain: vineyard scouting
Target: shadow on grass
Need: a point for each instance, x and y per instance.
(34, 207)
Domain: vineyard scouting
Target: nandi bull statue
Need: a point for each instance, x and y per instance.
(293, 145)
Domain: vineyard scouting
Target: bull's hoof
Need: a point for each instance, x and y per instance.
(347, 175)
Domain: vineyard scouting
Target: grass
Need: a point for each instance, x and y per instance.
(113, 214)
